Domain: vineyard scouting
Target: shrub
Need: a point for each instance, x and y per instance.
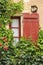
(6, 47)
(40, 41)
(7, 50)
(27, 54)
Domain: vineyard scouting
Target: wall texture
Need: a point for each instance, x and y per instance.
(27, 9)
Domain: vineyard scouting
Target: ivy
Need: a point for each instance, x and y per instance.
(8, 9)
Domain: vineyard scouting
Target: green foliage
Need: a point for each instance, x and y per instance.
(24, 53)
(27, 54)
(7, 56)
(8, 9)
(18, 7)
(7, 50)
(6, 46)
(6, 33)
(40, 41)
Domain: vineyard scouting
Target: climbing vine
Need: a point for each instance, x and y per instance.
(7, 9)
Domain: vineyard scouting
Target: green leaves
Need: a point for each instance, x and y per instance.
(7, 50)
(27, 54)
(8, 8)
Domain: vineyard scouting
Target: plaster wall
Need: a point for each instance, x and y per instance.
(39, 4)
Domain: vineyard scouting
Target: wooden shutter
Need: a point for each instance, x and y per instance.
(31, 25)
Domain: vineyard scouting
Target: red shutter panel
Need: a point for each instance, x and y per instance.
(31, 25)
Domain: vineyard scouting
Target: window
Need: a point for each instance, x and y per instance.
(15, 26)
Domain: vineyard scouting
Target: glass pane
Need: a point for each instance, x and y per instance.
(16, 32)
(15, 23)
(15, 41)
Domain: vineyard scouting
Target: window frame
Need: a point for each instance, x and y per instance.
(16, 17)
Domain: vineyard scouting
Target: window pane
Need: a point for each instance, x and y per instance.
(15, 23)
(15, 41)
(16, 32)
